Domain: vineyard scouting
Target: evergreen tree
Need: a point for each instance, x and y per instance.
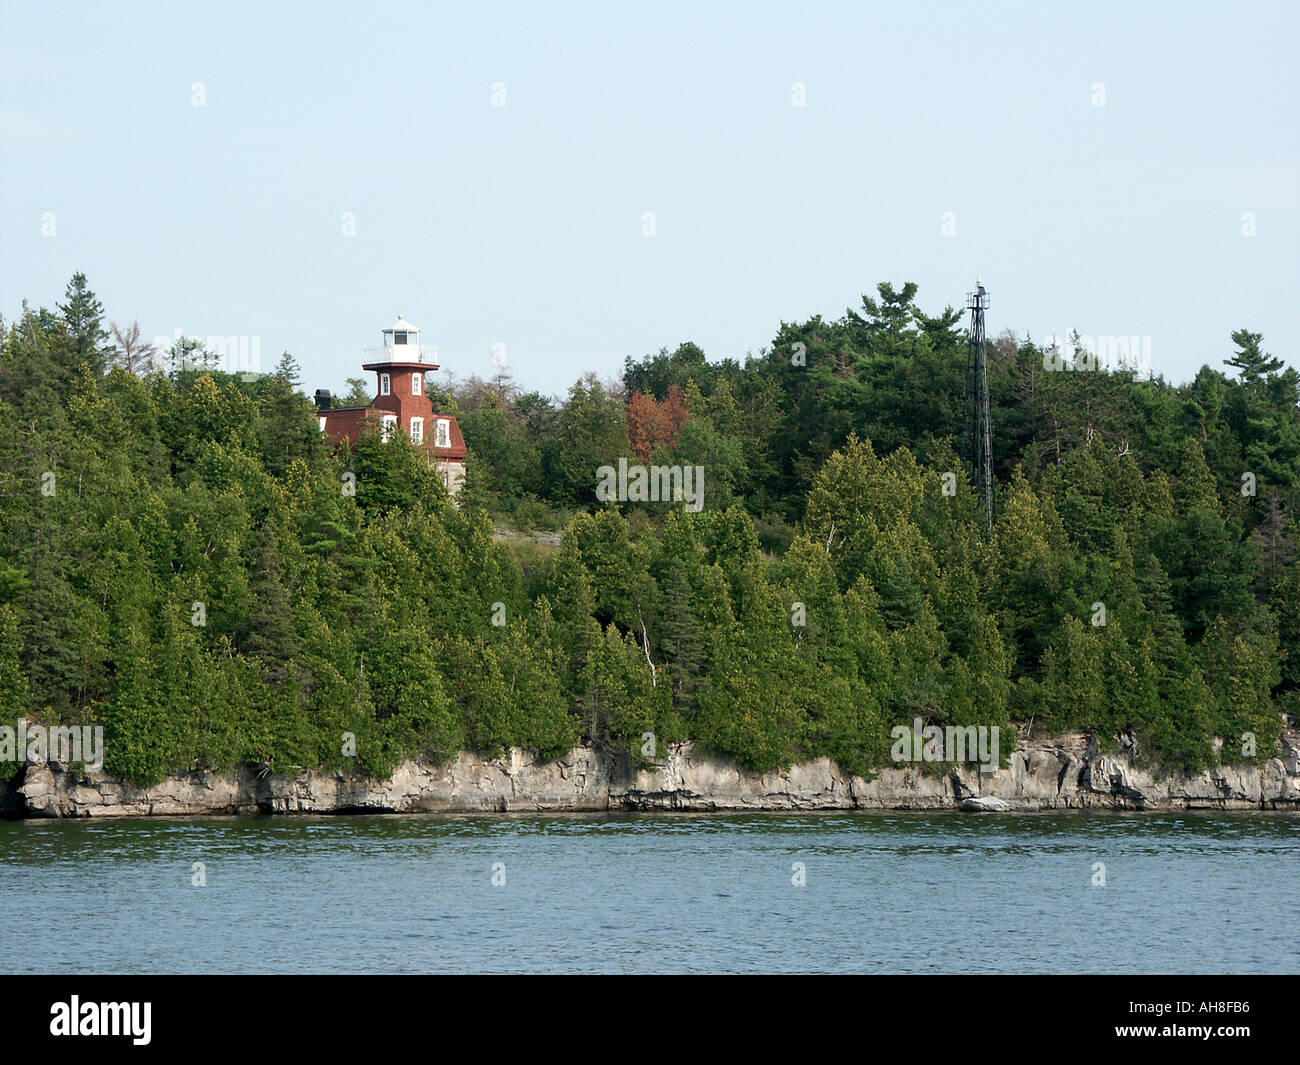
(1253, 365)
(83, 317)
(13, 684)
(593, 433)
(287, 371)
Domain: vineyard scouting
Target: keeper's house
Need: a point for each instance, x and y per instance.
(400, 404)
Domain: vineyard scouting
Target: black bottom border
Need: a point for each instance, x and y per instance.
(297, 1013)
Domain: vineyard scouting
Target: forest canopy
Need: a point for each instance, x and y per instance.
(181, 559)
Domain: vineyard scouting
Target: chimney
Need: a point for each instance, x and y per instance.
(322, 399)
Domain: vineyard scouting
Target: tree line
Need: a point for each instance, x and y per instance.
(184, 559)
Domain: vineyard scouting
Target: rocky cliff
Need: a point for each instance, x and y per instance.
(1059, 773)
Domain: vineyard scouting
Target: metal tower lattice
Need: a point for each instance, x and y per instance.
(976, 435)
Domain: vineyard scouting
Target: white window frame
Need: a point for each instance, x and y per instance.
(385, 385)
(442, 433)
(417, 430)
(387, 426)
(322, 424)
(417, 384)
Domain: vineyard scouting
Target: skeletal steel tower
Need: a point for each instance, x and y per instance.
(976, 436)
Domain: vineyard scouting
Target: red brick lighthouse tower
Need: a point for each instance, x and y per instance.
(400, 403)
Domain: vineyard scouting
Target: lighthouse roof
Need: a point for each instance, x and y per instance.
(402, 325)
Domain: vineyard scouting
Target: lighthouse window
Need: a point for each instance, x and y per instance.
(417, 430)
(399, 337)
(388, 423)
(443, 438)
(417, 383)
(385, 387)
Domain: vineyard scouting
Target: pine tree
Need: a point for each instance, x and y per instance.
(683, 641)
(593, 433)
(1253, 365)
(83, 317)
(288, 371)
(1195, 485)
(268, 634)
(357, 395)
(409, 700)
(623, 699)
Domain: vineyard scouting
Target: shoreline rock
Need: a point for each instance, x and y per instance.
(1059, 773)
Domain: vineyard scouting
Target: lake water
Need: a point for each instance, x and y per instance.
(1199, 893)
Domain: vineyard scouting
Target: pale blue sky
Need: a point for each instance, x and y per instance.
(522, 224)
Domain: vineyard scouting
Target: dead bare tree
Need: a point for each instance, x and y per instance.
(133, 354)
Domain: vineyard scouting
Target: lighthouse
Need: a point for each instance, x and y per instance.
(401, 404)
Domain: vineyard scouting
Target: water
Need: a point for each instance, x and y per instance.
(639, 893)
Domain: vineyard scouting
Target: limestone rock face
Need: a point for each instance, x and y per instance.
(692, 781)
(1060, 773)
(578, 781)
(47, 792)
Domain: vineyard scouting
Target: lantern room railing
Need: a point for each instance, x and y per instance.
(402, 353)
